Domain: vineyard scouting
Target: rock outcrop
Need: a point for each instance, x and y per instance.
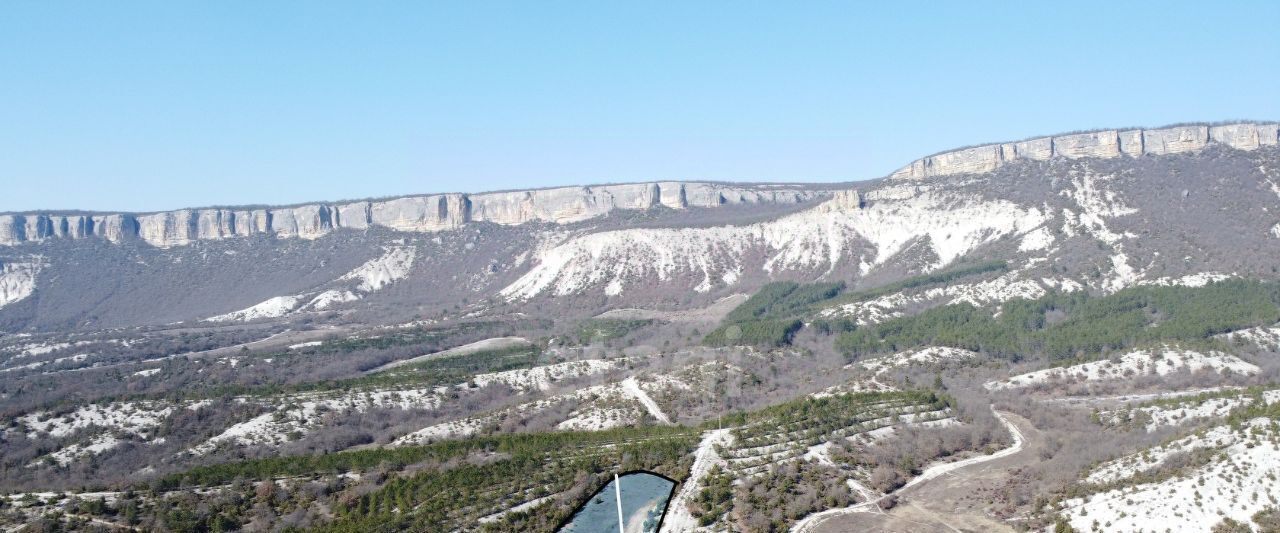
(437, 212)
(1101, 144)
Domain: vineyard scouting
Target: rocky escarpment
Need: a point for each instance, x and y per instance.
(1101, 144)
(428, 213)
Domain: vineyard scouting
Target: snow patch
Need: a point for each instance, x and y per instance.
(1133, 363)
(297, 414)
(496, 343)
(923, 356)
(1193, 280)
(1267, 337)
(1037, 239)
(1160, 416)
(1003, 288)
(542, 378)
(272, 308)
(1236, 483)
(328, 298)
(597, 419)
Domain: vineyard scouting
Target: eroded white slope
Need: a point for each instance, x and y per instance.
(819, 238)
(393, 265)
(18, 280)
(1099, 205)
(377, 273)
(271, 308)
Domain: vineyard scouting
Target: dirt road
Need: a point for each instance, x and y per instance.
(943, 498)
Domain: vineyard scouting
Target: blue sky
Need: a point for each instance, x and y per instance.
(148, 106)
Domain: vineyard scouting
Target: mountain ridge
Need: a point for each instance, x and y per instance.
(1102, 143)
(417, 213)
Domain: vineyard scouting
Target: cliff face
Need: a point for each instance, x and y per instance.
(1102, 144)
(437, 212)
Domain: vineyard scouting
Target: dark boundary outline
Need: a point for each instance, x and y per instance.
(666, 509)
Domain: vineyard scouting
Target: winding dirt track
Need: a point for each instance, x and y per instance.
(936, 499)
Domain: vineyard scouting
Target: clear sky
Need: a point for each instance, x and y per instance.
(150, 106)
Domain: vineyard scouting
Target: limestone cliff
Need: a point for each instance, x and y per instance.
(1102, 144)
(437, 212)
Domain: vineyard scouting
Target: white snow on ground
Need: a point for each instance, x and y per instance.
(18, 280)
(820, 453)
(1132, 398)
(853, 387)
(601, 407)
(95, 446)
(1005, 287)
(543, 377)
(468, 426)
(929, 419)
(516, 509)
(301, 345)
(373, 275)
(878, 366)
(147, 372)
(816, 238)
(1122, 274)
(1129, 466)
(711, 313)
(1275, 231)
(329, 298)
(632, 388)
(1192, 280)
(1166, 415)
(1037, 239)
(377, 273)
(498, 343)
(303, 412)
(1097, 204)
(704, 458)
(1236, 483)
(34, 349)
(598, 418)
(135, 420)
(71, 358)
(1264, 336)
(444, 430)
(272, 308)
(1159, 362)
(922, 356)
(132, 417)
(810, 522)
